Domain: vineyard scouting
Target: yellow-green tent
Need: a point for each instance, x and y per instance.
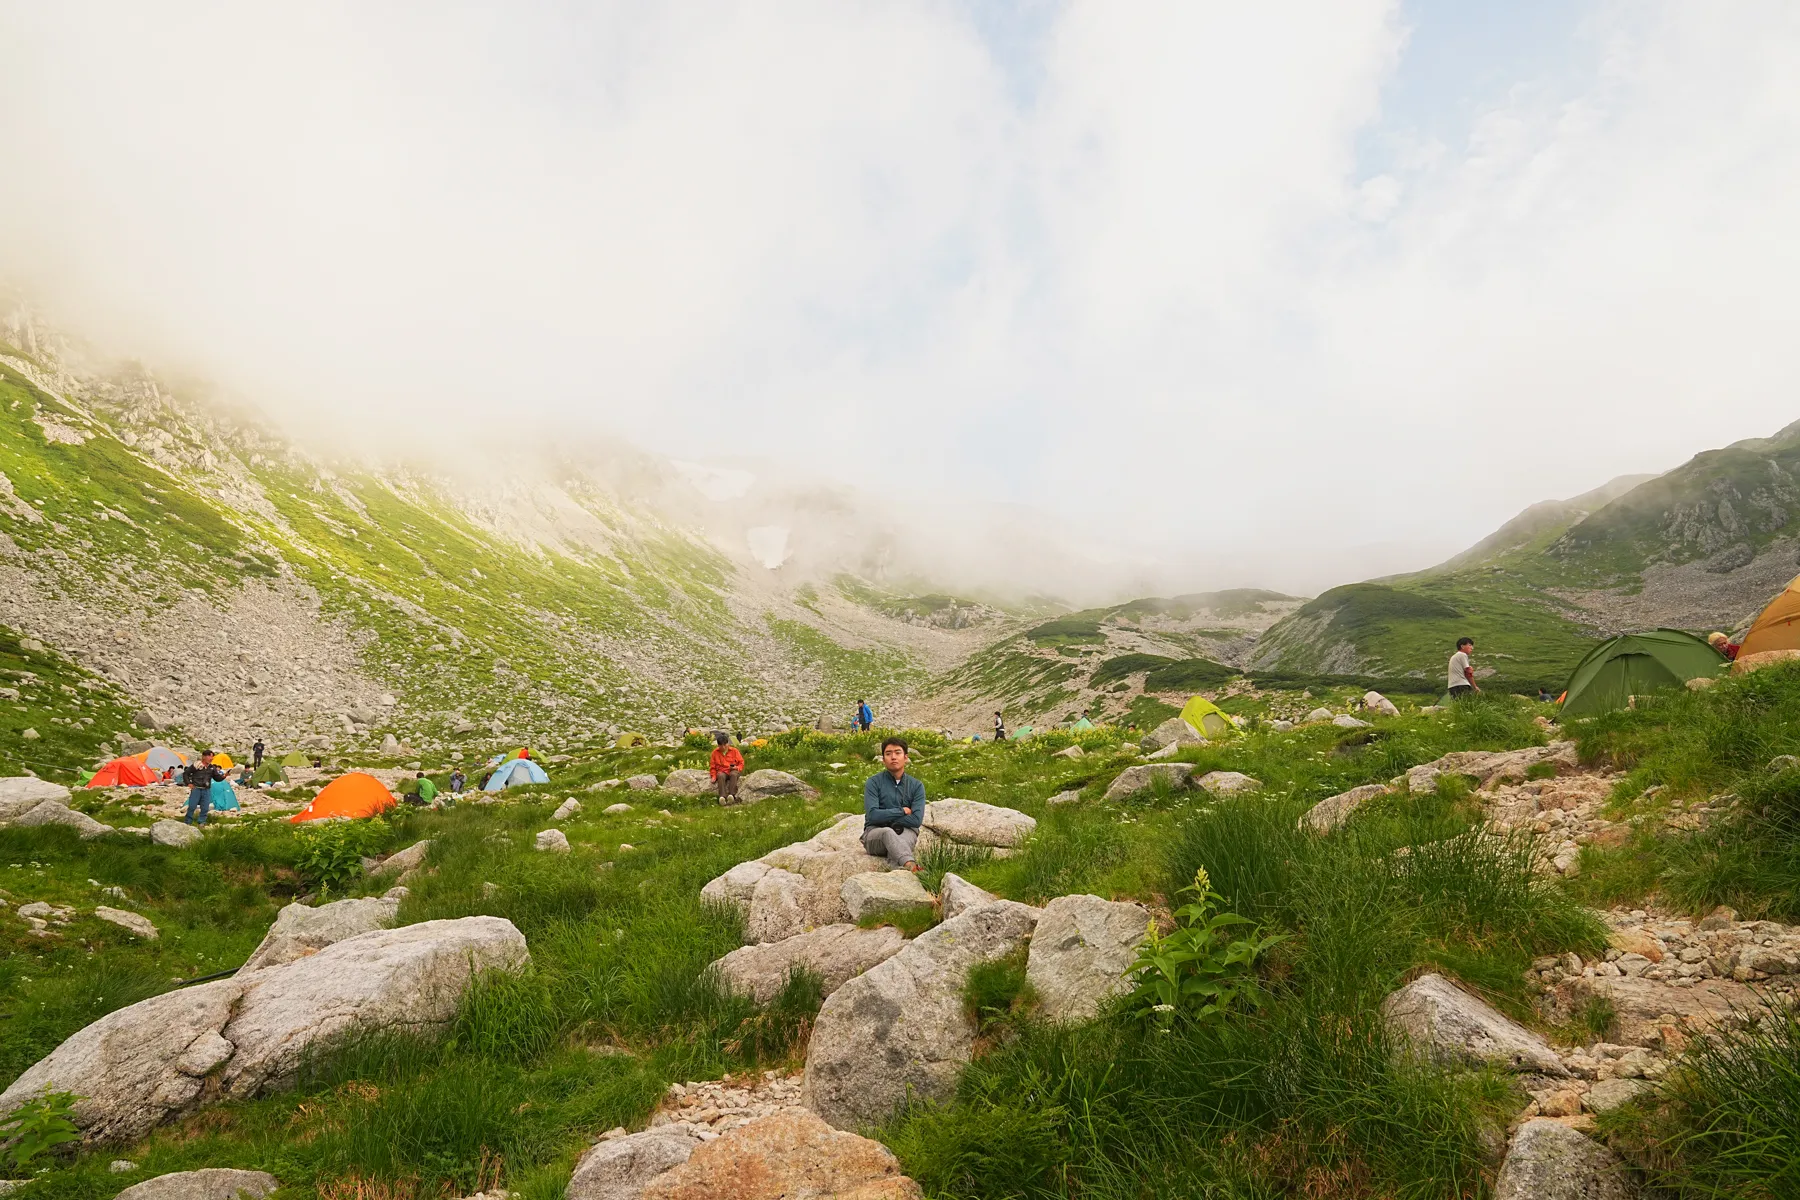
(627, 740)
(1208, 718)
(293, 758)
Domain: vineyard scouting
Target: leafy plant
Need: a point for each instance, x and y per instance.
(1199, 969)
(331, 852)
(41, 1123)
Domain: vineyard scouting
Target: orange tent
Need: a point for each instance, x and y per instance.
(352, 795)
(123, 772)
(1777, 627)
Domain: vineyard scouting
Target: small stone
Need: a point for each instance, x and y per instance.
(1064, 798)
(120, 1166)
(1608, 1094)
(566, 809)
(613, 810)
(641, 783)
(174, 833)
(552, 840)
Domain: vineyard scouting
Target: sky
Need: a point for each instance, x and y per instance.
(1277, 294)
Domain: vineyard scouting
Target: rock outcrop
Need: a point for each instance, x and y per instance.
(1133, 780)
(619, 1169)
(21, 792)
(134, 923)
(957, 895)
(1227, 783)
(787, 1156)
(1080, 952)
(870, 894)
(766, 783)
(835, 953)
(1329, 814)
(1172, 731)
(1546, 1160)
(31, 808)
(688, 782)
(554, 841)
(1447, 1024)
(300, 931)
(972, 823)
(241, 1037)
(174, 833)
(801, 886)
(208, 1183)
(900, 1029)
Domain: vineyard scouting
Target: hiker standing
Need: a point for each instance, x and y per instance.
(893, 808)
(256, 753)
(999, 727)
(198, 779)
(1462, 672)
(727, 767)
(865, 716)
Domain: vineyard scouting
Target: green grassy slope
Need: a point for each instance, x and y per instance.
(125, 501)
(1106, 659)
(1299, 1094)
(1518, 592)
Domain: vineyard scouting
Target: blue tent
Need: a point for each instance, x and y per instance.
(223, 798)
(515, 772)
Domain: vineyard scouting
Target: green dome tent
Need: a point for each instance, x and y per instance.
(1633, 664)
(269, 772)
(293, 758)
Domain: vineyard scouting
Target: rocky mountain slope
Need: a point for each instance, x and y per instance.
(1700, 547)
(1103, 660)
(210, 579)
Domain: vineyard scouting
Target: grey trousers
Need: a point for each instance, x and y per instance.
(895, 845)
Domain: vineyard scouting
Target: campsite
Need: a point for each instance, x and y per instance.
(927, 600)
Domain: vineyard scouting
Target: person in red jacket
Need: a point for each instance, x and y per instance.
(727, 767)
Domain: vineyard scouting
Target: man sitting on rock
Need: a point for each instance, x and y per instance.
(893, 808)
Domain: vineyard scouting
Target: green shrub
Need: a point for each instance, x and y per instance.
(1198, 970)
(38, 1126)
(331, 852)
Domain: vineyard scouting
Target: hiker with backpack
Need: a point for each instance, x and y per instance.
(865, 716)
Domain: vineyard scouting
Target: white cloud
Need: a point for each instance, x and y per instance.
(846, 236)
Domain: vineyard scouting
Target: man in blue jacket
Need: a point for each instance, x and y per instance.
(893, 808)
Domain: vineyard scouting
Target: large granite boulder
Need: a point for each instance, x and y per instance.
(766, 783)
(1445, 1023)
(688, 781)
(972, 823)
(1080, 952)
(30, 814)
(208, 1183)
(835, 953)
(900, 1029)
(792, 1155)
(299, 931)
(620, 1169)
(18, 793)
(1133, 780)
(1547, 1160)
(241, 1037)
(1327, 815)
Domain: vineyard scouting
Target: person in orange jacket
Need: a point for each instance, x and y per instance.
(727, 767)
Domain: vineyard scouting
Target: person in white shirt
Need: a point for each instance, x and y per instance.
(1462, 672)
